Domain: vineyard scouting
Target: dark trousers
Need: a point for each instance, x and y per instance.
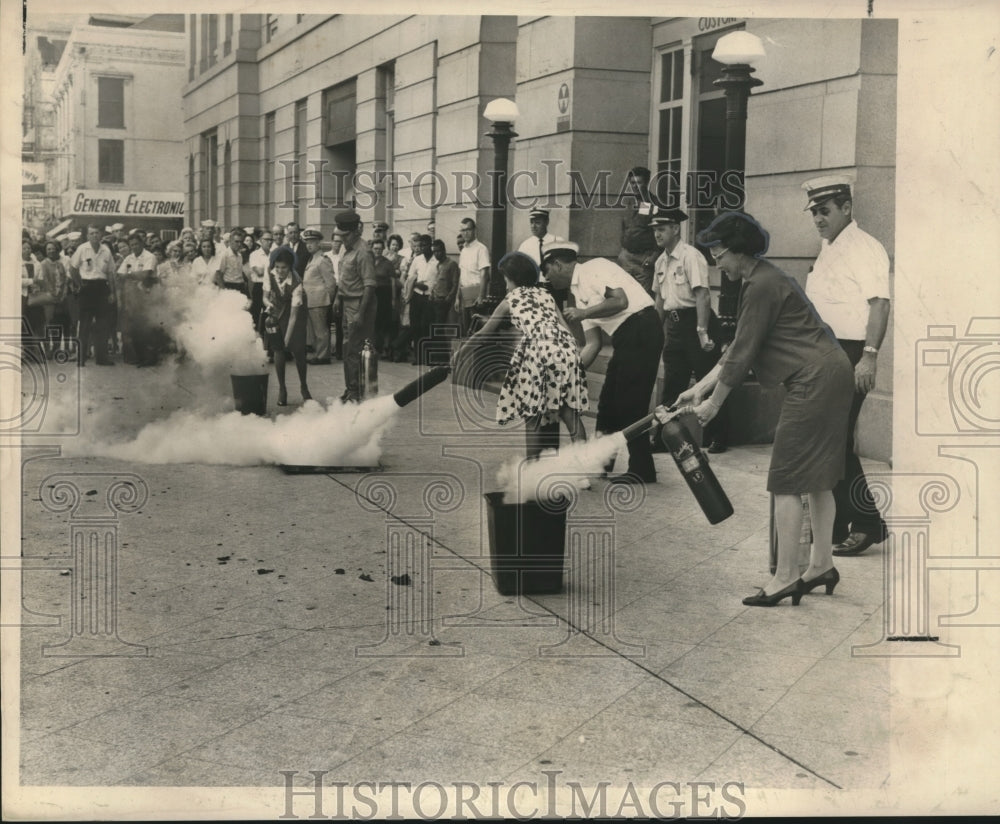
(856, 510)
(256, 302)
(383, 317)
(337, 321)
(94, 319)
(420, 324)
(628, 384)
(358, 328)
(683, 356)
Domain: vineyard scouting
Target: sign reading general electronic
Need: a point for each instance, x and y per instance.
(122, 202)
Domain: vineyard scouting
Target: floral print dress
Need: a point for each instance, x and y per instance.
(545, 371)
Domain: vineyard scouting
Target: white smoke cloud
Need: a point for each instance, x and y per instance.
(213, 327)
(338, 435)
(523, 481)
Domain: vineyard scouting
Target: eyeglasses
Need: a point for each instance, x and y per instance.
(717, 255)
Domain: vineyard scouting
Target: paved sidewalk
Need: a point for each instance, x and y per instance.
(277, 639)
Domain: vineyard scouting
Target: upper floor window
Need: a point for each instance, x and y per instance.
(111, 102)
(110, 161)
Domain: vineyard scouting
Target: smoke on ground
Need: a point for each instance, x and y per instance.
(522, 480)
(338, 435)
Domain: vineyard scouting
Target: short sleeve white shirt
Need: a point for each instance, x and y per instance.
(678, 273)
(473, 258)
(589, 286)
(847, 274)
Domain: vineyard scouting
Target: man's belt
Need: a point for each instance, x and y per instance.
(676, 314)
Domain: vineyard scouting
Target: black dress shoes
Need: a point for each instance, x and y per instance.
(829, 579)
(717, 447)
(794, 590)
(855, 544)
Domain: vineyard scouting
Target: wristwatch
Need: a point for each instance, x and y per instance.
(870, 349)
(702, 329)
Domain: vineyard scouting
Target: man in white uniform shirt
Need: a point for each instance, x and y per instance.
(474, 279)
(690, 328)
(606, 298)
(849, 287)
(532, 246)
(92, 268)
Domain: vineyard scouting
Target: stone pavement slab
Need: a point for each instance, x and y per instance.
(278, 640)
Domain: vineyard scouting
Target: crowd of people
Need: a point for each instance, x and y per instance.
(382, 298)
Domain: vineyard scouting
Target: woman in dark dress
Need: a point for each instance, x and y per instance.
(285, 321)
(780, 335)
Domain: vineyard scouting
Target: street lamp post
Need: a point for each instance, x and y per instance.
(501, 113)
(737, 52)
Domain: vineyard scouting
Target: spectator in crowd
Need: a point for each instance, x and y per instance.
(443, 291)
(175, 271)
(207, 229)
(51, 283)
(33, 313)
(460, 241)
(320, 286)
(780, 335)
(206, 268)
(231, 264)
(136, 275)
(294, 242)
(394, 255)
(474, 286)
(639, 250)
(93, 269)
(285, 321)
(384, 298)
(546, 381)
(538, 220)
(423, 269)
(189, 250)
(257, 266)
(278, 233)
(608, 299)
(849, 286)
(356, 285)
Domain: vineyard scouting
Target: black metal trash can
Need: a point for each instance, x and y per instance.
(250, 393)
(527, 545)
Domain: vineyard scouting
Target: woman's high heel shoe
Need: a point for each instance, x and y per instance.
(762, 600)
(282, 397)
(830, 578)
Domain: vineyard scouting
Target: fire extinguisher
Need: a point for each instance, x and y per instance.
(691, 461)
(694, 467)
(369, 371)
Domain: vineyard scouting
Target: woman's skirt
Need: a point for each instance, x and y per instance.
(811, 438)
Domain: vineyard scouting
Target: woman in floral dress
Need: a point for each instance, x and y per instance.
(545, 382)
